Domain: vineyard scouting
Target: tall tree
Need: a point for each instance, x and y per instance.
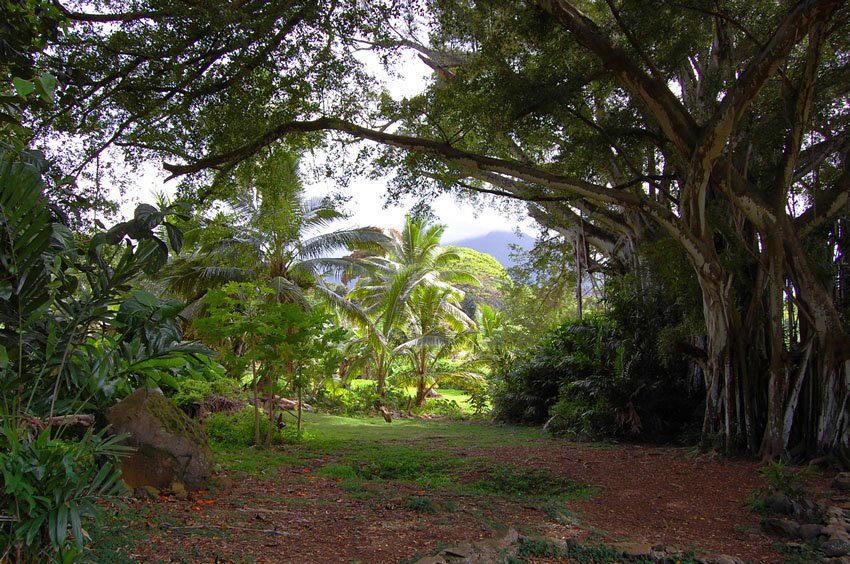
(396, 283)
(270, 233)
(721, 125)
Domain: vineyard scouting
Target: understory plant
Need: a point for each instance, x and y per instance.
(74, 338)
(50, 487)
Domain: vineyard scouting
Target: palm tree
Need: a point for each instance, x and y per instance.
(396, 285)
(439, 339)
(271, 233)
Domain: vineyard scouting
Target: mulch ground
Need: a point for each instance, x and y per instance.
(652, 495)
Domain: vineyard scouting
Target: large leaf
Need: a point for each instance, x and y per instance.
(26, 233)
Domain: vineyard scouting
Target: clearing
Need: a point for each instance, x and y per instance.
(362, 490)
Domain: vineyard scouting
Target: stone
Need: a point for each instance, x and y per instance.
(780, 527)
(720, 559)
(478, 552)
(835, 547)
(779, 503)
(169, 445)
(809, 531)
(146, 492)
(842, 482)
(222, 483)
(633, 549)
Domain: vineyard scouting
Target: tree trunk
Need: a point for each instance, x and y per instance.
(256, 397)
(421, 391)
(270, 395)
(300, 399)
(722, 419)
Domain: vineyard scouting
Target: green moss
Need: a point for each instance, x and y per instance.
(173, 419)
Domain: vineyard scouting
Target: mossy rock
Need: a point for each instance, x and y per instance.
(169, 445)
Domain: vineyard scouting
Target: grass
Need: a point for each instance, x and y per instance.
(409, 463)
(255, 461)
(458, 396)
(335, 432)
(361, 451)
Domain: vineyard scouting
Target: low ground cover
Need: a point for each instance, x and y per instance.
(362, 490)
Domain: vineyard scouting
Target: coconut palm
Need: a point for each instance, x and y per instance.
(269, 233)
(395, 288)
(439, 339)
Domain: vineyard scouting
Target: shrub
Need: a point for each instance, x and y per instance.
(360, 399)
(51, 486)
(194, 390)
(441, 406)
(420, 504)
(237, 430)
(603, 375)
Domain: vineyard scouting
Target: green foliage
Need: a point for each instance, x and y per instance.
(50, 487)
(490, 275)
(610, 374)
(360, 398)
(442, 407)
(420, 504)
(237, 430)
(194, 389)
(574, 360)
(73, 333)
(531, 549)
(506, 479)
(782, 479)
(280, 339)
(73, 336)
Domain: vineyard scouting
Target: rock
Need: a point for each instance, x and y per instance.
(477, 552)
(720, 559)
(808, 511)
(835, 547)
(809, 531)
(779, 527)
(842, 482)
(839, 560)
(169, 445)
(222, 483)
(633, 549)
(836, 531)
(779, 503)
(146, 492)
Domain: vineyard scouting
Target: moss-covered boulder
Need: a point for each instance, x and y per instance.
(170, 447)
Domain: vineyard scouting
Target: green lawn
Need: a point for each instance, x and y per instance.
(458, 396)
(368, 450)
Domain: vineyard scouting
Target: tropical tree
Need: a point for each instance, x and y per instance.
(413, 260)
(271, 233)
(718, 126)
(438, 340)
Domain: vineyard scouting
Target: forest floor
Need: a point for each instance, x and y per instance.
(362, 490)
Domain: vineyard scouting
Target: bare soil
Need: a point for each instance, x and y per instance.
(652, 495)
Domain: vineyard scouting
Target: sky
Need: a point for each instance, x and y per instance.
(462, 220)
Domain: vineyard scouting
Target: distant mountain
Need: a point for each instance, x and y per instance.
(498, 244)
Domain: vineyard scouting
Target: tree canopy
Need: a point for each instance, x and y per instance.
(719, 126)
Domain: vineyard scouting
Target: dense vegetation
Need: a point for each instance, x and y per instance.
(689, 164)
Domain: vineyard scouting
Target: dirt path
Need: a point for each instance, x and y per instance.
(652, 495)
